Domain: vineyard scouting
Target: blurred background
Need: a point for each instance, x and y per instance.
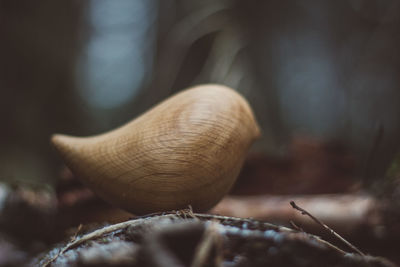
(327, 71)
(322, 77)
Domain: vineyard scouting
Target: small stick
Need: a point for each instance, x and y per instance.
(296, 227)
(100, 232)
(304, 212)
(210, 238)
(76, 233)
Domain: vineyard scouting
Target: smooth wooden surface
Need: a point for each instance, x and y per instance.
(188, 150)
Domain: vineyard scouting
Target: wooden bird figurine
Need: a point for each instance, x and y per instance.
(187, 150)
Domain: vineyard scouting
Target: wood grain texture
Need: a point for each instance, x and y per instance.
(187, 150)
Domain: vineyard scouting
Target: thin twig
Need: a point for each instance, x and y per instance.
(76, 233)
(296, 227)
(187, 213)
(100, 232)
(304, 212)
(211, 238)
